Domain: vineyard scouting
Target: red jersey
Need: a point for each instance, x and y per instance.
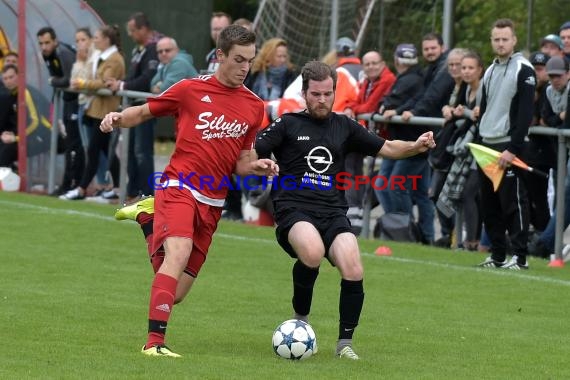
(214, 123)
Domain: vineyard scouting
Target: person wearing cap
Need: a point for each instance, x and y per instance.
(554, 109)
(437, 88)
(348, 70)
(506, 114)
(541, 152)
(555, 112)
(552, 46)
(409, 82)
(564, 34)
(438, 83)
(538, 61)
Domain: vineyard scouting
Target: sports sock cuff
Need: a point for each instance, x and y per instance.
(304, 275)
(165, 282)
(157, 326)
(352, 286)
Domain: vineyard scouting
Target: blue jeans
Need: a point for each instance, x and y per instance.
(396, 198)
(140, 166)
(548, 235)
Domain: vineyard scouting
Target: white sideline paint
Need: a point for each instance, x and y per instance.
(516, 274)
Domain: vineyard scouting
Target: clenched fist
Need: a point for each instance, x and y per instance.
(110, 121)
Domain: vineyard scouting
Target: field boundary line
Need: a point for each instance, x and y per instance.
(222, 235)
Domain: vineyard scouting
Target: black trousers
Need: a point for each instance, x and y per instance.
(8, 154)
(74, 153)
(505, 210)
(100, 142)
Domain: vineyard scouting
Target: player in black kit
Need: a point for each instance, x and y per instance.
(310, 210)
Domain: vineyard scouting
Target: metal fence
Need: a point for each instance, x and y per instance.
(127, 96)
(563, 138)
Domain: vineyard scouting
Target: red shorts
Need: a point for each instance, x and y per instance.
(178, 214)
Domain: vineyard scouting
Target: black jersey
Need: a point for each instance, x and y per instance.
(310, 154)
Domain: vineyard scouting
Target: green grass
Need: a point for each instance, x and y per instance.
(74, 290)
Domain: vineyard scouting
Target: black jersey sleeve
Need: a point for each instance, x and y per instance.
(361, 140)
(269, 138)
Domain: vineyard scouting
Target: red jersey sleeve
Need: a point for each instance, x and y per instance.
(169, 101)
(252, 132)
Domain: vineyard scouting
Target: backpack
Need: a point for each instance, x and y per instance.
(397, 226)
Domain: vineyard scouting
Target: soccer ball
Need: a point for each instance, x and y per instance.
(294, 339)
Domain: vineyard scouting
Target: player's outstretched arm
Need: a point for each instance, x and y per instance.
(397, 149)
(249, 164)
(130, 117)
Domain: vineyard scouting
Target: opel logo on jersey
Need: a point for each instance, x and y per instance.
(319, 159)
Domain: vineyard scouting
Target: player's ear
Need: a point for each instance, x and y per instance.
(220, 55)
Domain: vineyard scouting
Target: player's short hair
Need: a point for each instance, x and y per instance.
(222, 14)
(505, 23)
(6, 68)
(317, 71)
(47, 29)
(234, 35)
(141, 20)
(431, 36)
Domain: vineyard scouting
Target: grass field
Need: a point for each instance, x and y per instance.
(74, 290)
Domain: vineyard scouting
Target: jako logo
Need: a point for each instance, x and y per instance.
(300, 138)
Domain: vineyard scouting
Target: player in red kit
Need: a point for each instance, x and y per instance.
(217, 119)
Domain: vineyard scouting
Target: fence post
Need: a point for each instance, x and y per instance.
(53, 141)
(560, 185)
(125, 134)
(368, 193)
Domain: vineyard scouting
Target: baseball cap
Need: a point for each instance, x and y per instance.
(538, 58)
(556, 66)
(345, 46)
(554, 39)
(565, 26)
(406, 54)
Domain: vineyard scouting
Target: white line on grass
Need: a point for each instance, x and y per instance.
(49, 210)
(497, 272)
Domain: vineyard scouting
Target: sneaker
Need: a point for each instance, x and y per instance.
(514, 264)
(347, 352)
(490, 263)
(131, 211)
(231, 215)
(566, 253)
(538, 249)
(109, 194)
(72, 195)
(159, 351)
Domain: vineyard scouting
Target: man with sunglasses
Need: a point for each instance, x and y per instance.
(175, 64)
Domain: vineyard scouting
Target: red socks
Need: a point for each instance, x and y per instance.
(162, 296)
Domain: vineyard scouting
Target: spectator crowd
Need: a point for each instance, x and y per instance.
(494, 106)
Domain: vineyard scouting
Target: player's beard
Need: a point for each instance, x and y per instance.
(320, 111)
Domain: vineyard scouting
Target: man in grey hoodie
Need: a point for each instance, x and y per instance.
(506, 114)
(175, 64)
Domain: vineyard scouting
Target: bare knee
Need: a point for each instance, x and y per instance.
(311, 258)
(352, 272)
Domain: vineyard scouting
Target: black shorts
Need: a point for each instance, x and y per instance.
(328, 223)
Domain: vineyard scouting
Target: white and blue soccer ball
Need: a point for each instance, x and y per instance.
(294, 339)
